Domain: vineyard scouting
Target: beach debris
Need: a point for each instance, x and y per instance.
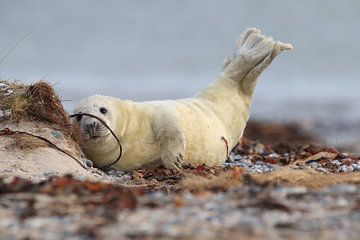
(88, 162)
(263, 191)
(64, 207)
(4, 87)
(8, 92)
(246, 163)
(5, 91)
(111, 196)
(36, 102)
(5, 113)
(261, 158)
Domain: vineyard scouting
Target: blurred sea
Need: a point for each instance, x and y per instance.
(167, 49)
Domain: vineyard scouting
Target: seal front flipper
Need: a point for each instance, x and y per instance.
(171, 138)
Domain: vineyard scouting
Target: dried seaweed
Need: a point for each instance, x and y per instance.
(38, 102)
(110, 196)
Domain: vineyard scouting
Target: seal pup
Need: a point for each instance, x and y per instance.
(193, 131)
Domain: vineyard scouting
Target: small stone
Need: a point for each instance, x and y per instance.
(88, 162)
(126, 178)
(57, 134)
(115, 173)
(3, 87)
(259, 148)
(49, 174)
(356, 166)
(273, 155)
(233, 157)
(336, 162)
(321, 169)
(8, 92)
(7, 113)
(1, 113)
(346, 169)
(314, 164)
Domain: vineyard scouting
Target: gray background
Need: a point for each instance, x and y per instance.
(160, 49)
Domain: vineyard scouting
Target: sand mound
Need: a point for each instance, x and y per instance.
(37, 138)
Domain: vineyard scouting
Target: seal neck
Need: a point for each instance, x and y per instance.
(125, 120)
(227, 90)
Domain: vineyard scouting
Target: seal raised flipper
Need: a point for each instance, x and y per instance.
(231, 95)
(253, 53)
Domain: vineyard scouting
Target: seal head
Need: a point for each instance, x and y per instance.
(91, 128)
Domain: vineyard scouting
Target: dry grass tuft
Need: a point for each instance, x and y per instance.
(17, 101)
(38, 102)
(19, 106)
(46, 106)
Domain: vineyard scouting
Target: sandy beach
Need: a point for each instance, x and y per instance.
(295, 173)
(281, 181)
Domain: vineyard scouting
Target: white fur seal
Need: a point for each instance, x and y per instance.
(195, 131)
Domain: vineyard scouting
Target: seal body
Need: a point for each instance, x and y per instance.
(194, 131)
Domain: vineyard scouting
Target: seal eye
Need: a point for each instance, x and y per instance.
(78, 118)
(103, 110)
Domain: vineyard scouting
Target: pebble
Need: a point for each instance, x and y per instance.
(8, 92)
(244, 162)
(50, 174)
(259, 148)
(339, 167)
(4, 87)
(5, 113)
(336, 162)
(88, 162)
(346, 169)
(273, 155)
(234, 157)
(323, 170)
(317, 166)
(356, 166)
(116, 173)
(57, 134)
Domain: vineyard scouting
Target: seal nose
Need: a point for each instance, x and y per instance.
(91, 129)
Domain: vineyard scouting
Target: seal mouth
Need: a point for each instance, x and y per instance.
(95, 137)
